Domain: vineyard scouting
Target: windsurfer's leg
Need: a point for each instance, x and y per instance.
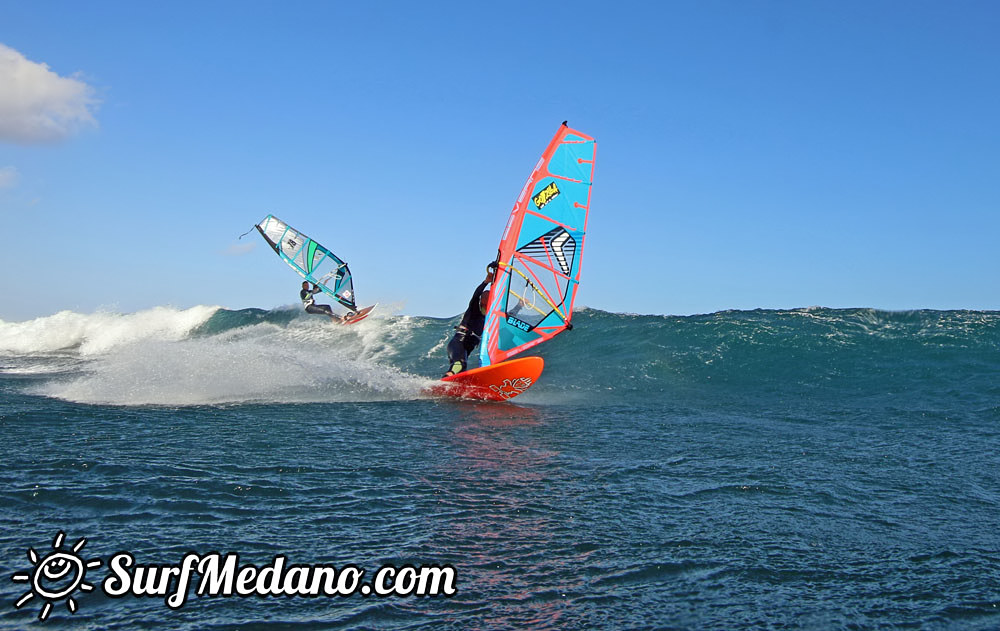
(333, 316)
(470, 343)
(456, 355)
(320, 310)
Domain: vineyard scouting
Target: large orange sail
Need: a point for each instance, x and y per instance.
(531, 299)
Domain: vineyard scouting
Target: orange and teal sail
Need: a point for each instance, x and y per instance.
(531, 298)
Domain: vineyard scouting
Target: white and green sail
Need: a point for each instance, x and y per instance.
(310, 260)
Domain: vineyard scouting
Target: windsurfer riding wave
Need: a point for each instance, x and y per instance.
(310, 303)
(468, 333)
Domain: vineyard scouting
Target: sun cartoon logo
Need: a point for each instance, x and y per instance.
(56, 576)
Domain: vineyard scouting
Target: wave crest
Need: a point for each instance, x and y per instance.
(95, 333)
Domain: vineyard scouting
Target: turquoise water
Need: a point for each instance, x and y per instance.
(804, 469)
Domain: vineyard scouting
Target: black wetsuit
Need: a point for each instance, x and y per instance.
(310, 303)
(469, 331)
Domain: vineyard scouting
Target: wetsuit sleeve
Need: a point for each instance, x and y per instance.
(477, 294)
(474, 302)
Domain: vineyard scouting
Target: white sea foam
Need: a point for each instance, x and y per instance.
(96, 333)
(308, 360)
(35, 365)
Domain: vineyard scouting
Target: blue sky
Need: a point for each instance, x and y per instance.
(750, 154)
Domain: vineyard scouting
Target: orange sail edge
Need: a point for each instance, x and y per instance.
(497, 382)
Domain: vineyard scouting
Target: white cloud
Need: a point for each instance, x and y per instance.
(37, 105)
(8, 177)
(239, 249)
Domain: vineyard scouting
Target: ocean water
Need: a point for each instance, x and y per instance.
(802, 469)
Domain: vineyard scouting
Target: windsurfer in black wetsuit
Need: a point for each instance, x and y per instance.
(467, 333)
(310, 303)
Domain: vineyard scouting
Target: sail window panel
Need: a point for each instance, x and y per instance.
(333, 274)
(534, 292)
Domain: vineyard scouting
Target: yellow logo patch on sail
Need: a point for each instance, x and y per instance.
(545, 195)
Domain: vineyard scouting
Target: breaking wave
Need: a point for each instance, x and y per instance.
(209, 355)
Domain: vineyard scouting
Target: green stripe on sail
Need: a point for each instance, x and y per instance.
(310, 253)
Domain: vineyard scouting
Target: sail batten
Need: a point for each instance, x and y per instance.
(532, 295)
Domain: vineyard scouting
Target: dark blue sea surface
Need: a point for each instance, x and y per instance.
(802, 469)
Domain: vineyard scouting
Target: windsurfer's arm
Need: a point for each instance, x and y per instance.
(517, 308)
(474, 301)
(479, 292)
